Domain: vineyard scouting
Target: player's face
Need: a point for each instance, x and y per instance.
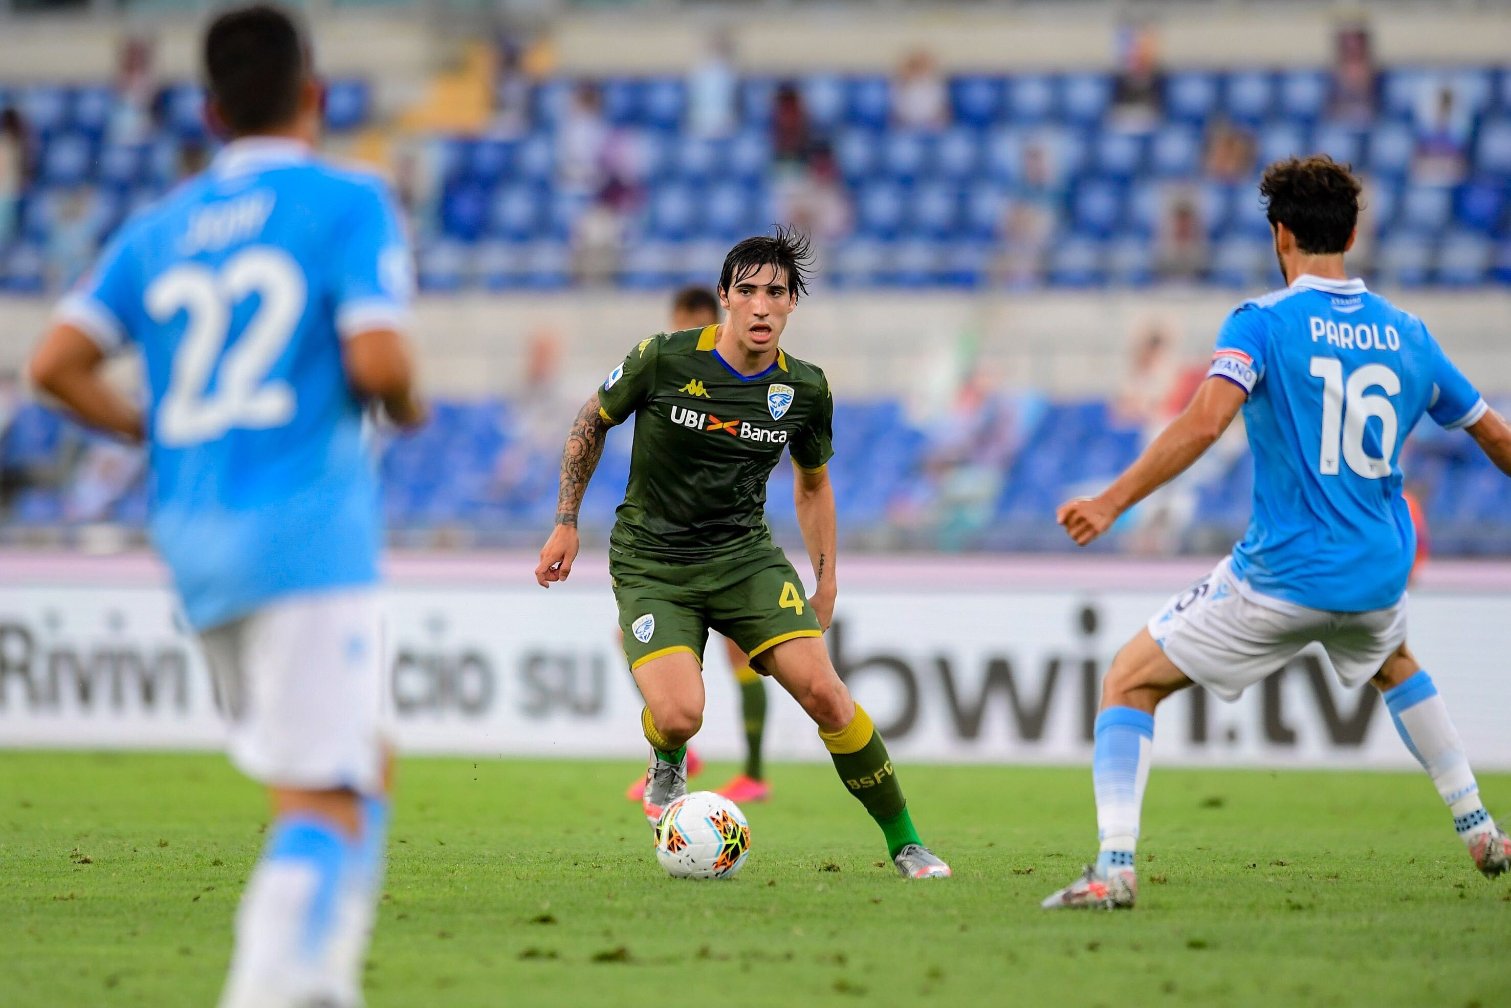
(758, 307)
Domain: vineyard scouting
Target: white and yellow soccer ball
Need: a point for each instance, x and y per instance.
(702, 835)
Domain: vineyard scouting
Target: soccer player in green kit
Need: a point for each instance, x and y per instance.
(715, 408)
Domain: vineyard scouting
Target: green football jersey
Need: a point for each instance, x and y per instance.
(706, 441)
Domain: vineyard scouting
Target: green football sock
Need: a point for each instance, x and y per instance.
(860, 757)
(753, 709)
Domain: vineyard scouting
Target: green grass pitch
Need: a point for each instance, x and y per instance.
(523, 883)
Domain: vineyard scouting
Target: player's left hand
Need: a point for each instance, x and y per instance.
(1085, 518)
(557, 556)
(823, 607)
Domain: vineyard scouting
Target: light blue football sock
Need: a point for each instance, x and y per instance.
(1119, 771)
(1422, 721)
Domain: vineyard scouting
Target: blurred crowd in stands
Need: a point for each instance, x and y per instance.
(516, 178)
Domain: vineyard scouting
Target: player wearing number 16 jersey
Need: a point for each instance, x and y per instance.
(1330, 378)
(266, 298)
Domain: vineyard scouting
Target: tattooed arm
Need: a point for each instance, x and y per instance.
(578, 460)
(813, 497)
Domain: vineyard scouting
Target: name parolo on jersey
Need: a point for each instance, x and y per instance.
(742, 429)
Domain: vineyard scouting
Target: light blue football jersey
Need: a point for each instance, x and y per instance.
(237, 288)
(1337, 377)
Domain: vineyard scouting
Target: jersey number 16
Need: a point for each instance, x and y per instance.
(1347, 408)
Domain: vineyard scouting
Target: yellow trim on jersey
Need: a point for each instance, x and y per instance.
(745, 675)
(662, 654)
(781, 360)
(605, 414)
(708, 337)
(853, 737)
(782, 638)
(811, 472)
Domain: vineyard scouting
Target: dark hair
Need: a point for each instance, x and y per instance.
(1316, 198)
(789, 250)
(696, 299)
(256, 60)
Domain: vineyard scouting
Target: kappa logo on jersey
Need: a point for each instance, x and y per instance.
(779, 400)
(694, 387)
(614, 376)
(742, 429)
(643, 628)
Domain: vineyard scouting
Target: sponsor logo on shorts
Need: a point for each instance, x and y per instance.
(779, 400)
(643, 628)
(694, 387)
(614, 377)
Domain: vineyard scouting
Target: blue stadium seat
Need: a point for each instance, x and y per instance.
(824, 99)
(515, 212)
(1238, 262)
(499, 265)
(672, 212)
(1425, 209)
(1405, 260)
(93, 105)
(1249, 96)
(652, 265)
(32, 438)
(728, 211)
(755, 101)
(1401, 91)
(1129, 263)
(1493, 146)
(1341, 142)
(120, 164)
(879, 209)
(1117, 154)
(1464, 259)
(1191, 95)
(1303, 94)
(1096, 207)
(44, 107)
(868, 101)
(957, 154)
(1175, 150)
(1391, 146)
(1145, 206)
(490, 160)
(748, 157)
(183, 111)
(976, 101)
(1085, 97)
(536, 159)
(905, 155)
(1282, 138)
(622, 100)
(1031, 99)
(464, 211)
(1076, 262)
(1481, 204)
(348, 102)
(22, 269)
(698, 160)
(442, 267)
(664, 103)
(981, 214)
(934, 210)
(67, 160)
(549, 101)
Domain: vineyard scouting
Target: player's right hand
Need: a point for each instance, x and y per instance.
(1085, 518)
(557, 556)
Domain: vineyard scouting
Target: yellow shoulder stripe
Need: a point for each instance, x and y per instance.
(781, 360)
(708, 337)
(605, 414)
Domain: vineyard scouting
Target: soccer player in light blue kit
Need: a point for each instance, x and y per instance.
(1330, 378)
(266, 298)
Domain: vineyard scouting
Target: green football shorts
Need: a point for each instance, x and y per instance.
(756, 601)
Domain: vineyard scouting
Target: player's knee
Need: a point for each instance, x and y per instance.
(678, 722)
(828, 702)
(1399, 667)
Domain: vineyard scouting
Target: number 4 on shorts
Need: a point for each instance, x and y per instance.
(791, 598)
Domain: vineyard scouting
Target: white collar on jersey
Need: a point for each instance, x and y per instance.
(252, 153)
(1354, 286)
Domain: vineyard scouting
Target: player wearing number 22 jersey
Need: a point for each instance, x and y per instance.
(1330, 378)
(266, 299)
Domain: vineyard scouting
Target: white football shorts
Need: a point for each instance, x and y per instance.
(1226, 636)
(301, 685)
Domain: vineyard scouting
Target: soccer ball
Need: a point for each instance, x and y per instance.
(702, 835)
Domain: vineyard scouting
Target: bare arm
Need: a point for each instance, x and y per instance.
(379, 366)
(1493, 435)
(579, 459)
(67, 365)
(813, 497)
(1213, 408)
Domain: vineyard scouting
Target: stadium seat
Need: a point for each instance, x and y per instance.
(1085, 97)
(905, 155)
(1249, 96)
(1463, 259)
(1279, 139)
(347, 103)
(1391, 146)
(1175, 150)
(957, 155)
(868, 102)
(1191, 95)
(1493, 147)
(1030, 99)
(1341, 142)
(1303, 94)
(1076, 263)
(976, 101)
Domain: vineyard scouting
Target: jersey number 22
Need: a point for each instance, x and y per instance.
(243, 397)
